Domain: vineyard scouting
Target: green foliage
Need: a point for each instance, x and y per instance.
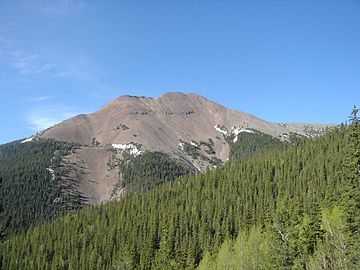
(309, 235)
(146, 171)
(215, 161)
(252, 249)
(30, 187)
(351, 191)
(209, 146)
(191, 150)
(294, 137)
(301, 235)
(255, 249)
(330, 254)
(179, 222)
(249, 251)
(196, 151)
(250, 143)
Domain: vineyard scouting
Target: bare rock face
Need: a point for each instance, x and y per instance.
(167, 123)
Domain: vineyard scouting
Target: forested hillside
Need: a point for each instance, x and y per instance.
(247, 144)
(320, 235)
(30, 186)
(146, 171)
(282, 198)
(33, 186)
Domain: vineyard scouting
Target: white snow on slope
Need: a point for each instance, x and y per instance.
(218, 128)
(28, 140)
(131, 148)
(236, 131)
(181, 145)
(194, 144)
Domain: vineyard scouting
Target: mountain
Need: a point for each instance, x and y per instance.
(292, 200)
(160, 123)
(188, 128)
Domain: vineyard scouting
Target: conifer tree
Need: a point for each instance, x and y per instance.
(351, 195)
(310, 234)
(163, 257)
(330, 253)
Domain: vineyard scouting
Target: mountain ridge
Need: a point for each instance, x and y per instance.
(185, 126)
(170, 105)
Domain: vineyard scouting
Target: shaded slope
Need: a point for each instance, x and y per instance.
(31, 188)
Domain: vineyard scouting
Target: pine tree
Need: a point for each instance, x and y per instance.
(163, 256)
(285, 232)
(351, 195)
(310, 234)
(2, 233)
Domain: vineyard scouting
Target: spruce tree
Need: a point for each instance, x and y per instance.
(351, 195)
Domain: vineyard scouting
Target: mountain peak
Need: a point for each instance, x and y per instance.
(181, 95)
(160, 121)
(185, 126)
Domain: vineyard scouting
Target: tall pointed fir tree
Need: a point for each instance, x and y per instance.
(351, 194)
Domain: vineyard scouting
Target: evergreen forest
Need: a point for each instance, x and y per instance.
(30, 188)
(296, 206)
(146, 171)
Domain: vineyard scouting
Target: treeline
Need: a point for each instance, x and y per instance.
(30, 187)
(176, 225)
(146, 171)
(249, 143)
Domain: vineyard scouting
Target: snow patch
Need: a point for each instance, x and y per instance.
(130, 148)
(194, 144)
(28, 140)
(236, 131)
(221, 129)
(181, 145)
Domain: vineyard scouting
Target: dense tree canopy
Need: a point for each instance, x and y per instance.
(292, 206)
(30, 191)
(247, 144)
(146, 171)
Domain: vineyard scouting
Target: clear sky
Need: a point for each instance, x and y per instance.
(279, 60)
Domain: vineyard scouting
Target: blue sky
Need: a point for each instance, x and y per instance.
(279, 60)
